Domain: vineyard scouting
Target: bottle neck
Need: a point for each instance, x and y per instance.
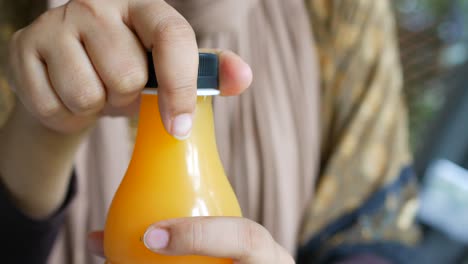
(152, 135)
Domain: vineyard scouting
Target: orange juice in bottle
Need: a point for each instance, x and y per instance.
(168, 178)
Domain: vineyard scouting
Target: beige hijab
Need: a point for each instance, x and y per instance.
(268, 138)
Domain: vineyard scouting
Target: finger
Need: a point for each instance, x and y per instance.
(74, 78)
(235, 75)
(95, 243)
(115, 51)
(128, 110)
(175, 55)
(33, 87)
(242, 239)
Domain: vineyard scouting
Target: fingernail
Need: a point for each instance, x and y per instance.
(155, 238)
(181, 126)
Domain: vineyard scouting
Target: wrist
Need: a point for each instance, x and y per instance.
(35, 163)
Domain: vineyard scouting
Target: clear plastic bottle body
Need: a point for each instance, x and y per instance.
(166, 179)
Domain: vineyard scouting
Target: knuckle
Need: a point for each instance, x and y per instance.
(18, 42)
(89, 6)
(174, 28)
(87, 100)
(182, 86)
(47, 110)
(180, 97)
(44, 18)
(129, 82)
(253, 238)
(195, 245)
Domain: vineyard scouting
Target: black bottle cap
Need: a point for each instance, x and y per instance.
(207, 72)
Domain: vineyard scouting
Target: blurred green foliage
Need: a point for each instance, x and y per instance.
(443, 25)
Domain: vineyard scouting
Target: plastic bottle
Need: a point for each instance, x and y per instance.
(168, 178)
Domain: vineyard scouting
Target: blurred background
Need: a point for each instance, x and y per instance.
(434, 51)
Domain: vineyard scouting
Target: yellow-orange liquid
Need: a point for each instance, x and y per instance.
(167, 179)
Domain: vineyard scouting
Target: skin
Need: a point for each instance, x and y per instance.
(86, 59)
(250, 244)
